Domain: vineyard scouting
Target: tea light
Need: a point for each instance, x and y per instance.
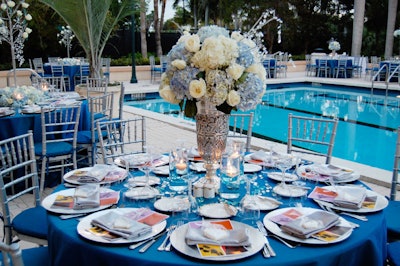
(18, 96)
(181, 166)
(44, 87)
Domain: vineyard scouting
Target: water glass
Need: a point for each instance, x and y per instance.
(178, 162)
(230, 176)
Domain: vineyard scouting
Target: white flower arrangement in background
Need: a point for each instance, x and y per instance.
(334, 45)
(216, 67)
(396, 33)
(66, 36)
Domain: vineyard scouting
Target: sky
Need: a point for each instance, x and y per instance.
(169, 11)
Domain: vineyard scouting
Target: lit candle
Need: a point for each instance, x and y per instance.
(18, 96)
(44, 87)
(231, 170)
(181, 165)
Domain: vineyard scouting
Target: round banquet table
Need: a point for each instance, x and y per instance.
(365, 246)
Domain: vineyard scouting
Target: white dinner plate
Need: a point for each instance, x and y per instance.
(178, 242)
(217, 210)
(263, 203)
(308, 172)
(49, 200)
(122, 174)
(275, 229)
(173, 204)
(137, 193)
(140, 181)
(277, 176)
(290, 191)
(161, 170)
(381, 203)
(86, 223)
(138, 159)
(251, 168)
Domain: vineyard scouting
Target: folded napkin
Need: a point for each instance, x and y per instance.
(260, 202)
(350, 197)
(203, 232)
(118, 224)
(137, 159)
(87, 197)
(96, 174)
(307, 225)
(336, 172)
(259, 155)
(193, 152)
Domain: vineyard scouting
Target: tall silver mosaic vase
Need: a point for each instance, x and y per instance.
(212, 131)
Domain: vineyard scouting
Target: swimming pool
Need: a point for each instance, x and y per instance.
(366, 130)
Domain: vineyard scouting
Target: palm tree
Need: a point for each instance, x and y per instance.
(391, 21)
(157, 29)
(92, 22)
(358, 27)
(143, 27)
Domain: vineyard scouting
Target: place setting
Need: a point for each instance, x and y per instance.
(99, 174)
(327, 173)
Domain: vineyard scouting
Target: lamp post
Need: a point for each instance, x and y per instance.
(133, 26)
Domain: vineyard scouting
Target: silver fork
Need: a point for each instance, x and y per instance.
(164, 243)
(267, 250)
(325, 208)
(356, 216)
(178, 224)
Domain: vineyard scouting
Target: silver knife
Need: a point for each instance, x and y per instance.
(265, 233)
(133, 246)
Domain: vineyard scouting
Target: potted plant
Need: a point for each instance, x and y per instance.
(92, 22)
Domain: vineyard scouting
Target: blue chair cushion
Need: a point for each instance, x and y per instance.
(54, 149)
(85, 137)
(392, 213)
(32, 222)
(36, 256)
(394, 253)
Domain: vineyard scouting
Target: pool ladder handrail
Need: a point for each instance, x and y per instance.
(386, 67)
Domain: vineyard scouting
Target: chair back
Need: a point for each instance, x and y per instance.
(155, 71)
(101, 109)
(105, 67)
(241, 127)
(123, 137)
(38, 65)
(84, 72)
(396, 167)
(314, 136)
(12, 254)
(121, 101)
(57, 69)
(18, 171)
(96, 85)
(54, 84)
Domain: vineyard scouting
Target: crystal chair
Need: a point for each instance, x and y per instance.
(323, 67)
(13, 255)
(241, 126)
(155, 71)
(57, 149)
(101, 109)
(392, 211)
(310, 66)
(96, 86)
(57, 70)
(311, 135)
(123, 137)
(341, 68)
(54, 83)
(38, 66)
(19, 170)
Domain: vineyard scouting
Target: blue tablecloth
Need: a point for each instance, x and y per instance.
(18, 124)
(333, 64)
(366, 246)
(70, 70)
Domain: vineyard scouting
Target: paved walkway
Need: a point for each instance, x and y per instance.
(163, 131)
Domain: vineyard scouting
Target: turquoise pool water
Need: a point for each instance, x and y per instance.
(366, 130)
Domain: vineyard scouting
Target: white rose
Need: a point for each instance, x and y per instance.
(179, 64)
(1, 21)
(25, 35)
(197, 88)
(28, 30)
(237, 36)
(19, 13)
(11, 3)
(3, 6)
(183, 37)
(167, 94)
(28, 17)
(25, 5)
(235, 71)
(192, 43)
(233, 98)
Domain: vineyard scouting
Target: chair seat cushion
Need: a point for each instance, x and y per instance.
(36, 256)
(54, 149)
(32, 222)
(85, 137)
(392, 213)
(394, 253)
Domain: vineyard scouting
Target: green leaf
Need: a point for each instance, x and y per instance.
(225, 108)
(190, 108)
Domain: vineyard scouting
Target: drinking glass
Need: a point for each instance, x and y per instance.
(146, 167)
(178, 170)
(283, 163)
(230, 176)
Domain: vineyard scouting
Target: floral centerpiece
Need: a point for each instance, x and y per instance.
(334, 45)
(214, 67)
(17, 97)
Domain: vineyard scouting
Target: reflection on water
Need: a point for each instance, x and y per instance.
(366, 130)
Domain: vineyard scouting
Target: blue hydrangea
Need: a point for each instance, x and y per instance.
(250, 91)
(180, 81)
(211, 31)
(245, 58)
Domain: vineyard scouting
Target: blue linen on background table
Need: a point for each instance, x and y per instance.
(366, 246)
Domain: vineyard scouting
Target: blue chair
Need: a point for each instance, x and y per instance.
(84, 73)
(57, 70)
(13, 255)
(323, 67)
(57, 149)
(18, 170)
(155, 71)
(310, 66)
(392, 211)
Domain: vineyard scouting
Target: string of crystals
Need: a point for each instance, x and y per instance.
(257, 35)
(66, 36)
(13, 27)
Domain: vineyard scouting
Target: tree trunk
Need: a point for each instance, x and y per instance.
(391, 21)
(358, 27)
(143, 40)
(157, 29)
(163, 4)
